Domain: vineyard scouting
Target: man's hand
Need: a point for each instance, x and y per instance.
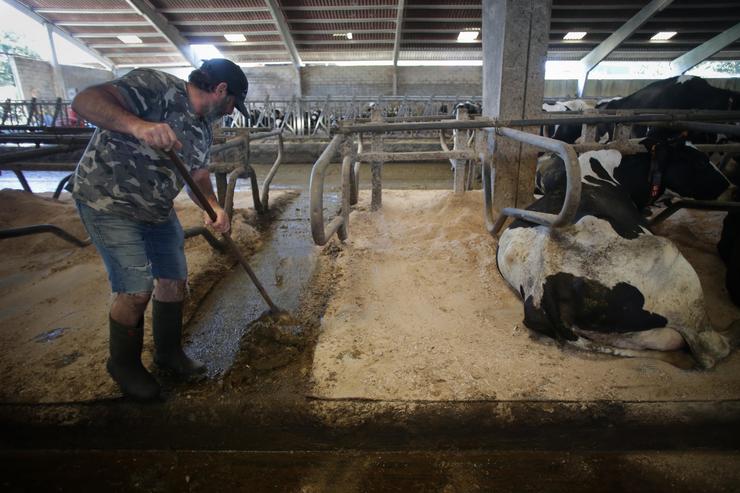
(221, 224)
(157, 135)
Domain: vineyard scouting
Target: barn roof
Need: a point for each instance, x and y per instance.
(301, 31)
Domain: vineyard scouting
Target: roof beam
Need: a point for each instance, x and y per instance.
(223, 22)
(705, 50)
(220, 34)
(110, 23)
(161, 24)
(229, 10)
(354, 31)
(85, 11)
(154, 54)
(129, 46)
(596, 55)
(106, 62)
(284, 31)
(399, 26)
(113, 34)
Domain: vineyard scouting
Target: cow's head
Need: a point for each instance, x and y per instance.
(685, 170)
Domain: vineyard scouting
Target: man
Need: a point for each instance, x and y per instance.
(124, 186)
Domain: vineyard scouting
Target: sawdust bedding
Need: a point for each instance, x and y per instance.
(421, 313)
(54, 297)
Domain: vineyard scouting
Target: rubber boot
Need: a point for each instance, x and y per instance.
(124, 364)
(167, 329)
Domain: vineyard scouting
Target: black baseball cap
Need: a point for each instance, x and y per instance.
(223, 70)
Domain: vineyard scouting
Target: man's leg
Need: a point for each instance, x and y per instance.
(121, 245)
(165, 245)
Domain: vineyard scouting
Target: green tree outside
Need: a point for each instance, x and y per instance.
(12, 44)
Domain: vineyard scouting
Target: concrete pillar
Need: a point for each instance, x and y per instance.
(515, 36)
(60, 90)
(299, 82)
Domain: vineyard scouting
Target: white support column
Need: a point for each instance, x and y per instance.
(515, 37)
(60, 89)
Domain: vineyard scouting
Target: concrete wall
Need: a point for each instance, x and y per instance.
(277, 82)
(35, 78)
(347, 81)
(78, 78)
(440, 81)
(282, 82)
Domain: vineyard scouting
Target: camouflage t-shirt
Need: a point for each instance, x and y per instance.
(121, 175)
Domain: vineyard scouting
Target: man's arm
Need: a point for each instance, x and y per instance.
(202, 178)
(104, 106)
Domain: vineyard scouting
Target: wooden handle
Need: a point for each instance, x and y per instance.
(191, 184)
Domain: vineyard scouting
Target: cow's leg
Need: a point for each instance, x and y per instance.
(660, 339)
(678, 359)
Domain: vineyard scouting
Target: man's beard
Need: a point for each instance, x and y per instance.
(217, 110)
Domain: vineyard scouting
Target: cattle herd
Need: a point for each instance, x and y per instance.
(606, 283)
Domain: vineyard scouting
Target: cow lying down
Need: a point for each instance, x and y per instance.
(606, 283)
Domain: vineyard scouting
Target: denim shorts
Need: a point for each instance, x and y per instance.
(135, 252)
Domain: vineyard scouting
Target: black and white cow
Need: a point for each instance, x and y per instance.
(605, 283)
(684, 92)
(565, 133)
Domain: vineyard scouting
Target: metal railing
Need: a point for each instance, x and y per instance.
(226, 174)
(462, 152)
(37, 113)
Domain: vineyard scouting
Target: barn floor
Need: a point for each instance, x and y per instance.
(411, 363)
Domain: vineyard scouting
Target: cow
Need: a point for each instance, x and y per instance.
(565, 133)
(684, 92)
(605, 283)
(471, 107)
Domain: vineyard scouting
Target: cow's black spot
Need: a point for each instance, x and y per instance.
(570, 300)
(599, 170)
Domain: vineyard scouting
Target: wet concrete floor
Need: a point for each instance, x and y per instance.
(252, 429)
(286, 263)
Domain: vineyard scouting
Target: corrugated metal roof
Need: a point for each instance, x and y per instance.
(429, 29)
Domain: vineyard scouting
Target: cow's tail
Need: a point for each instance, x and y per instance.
(676, 358)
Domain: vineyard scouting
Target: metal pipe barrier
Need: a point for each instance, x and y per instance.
(572, 192)
(565, 151)
(703, 205)
(43, 228)
(215, 243)
(481, 123)
(337, 225)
